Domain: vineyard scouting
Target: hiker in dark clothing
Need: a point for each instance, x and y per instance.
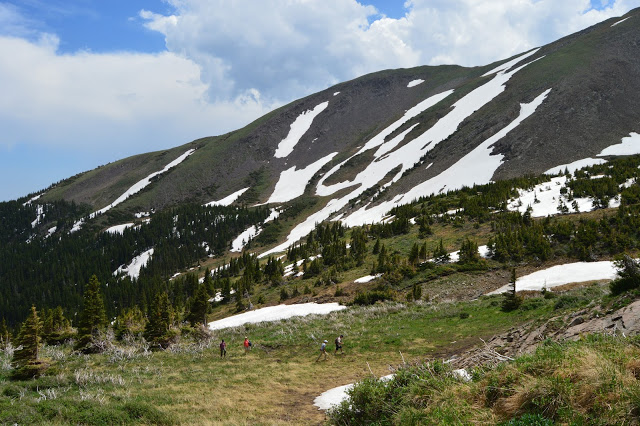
(339, 344)
(223, 349)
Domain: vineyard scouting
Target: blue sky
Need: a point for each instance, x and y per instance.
(87, 82)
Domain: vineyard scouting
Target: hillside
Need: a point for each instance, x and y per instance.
(401, 208)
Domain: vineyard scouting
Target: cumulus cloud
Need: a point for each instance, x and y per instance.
(108, 101)
(288, 48)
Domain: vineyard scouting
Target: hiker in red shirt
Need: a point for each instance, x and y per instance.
(247, 344)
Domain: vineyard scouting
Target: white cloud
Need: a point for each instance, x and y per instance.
(289, 48)
(108, 101)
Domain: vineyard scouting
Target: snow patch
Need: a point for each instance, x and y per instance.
(298, 128)
(367, 278)
(621, 21)
(335, 396)
(119, 229)
(335, 93)
(414, 83)
(563, 274)
(292, 182)
(576, 165)
(629, 146)
(133, 268)
(228, 200)
(509, 64)
(138, 186)
(243, 239)
(275, 313)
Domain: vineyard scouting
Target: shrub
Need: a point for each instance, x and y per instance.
(371, 297)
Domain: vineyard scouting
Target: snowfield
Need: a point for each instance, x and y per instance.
(119, 229)
(298, 128)
(544, 199)
(367, 278)
(243, 239)
(406, 156)
(563, 274)
(292, 182)
(133, 268)
(414, 83)
(332, 397)
(228, 200)
(275, 313)
(629, 146)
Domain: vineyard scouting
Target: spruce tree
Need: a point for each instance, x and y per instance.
(26, 359)
(512, 300)
(93, 317)
(5, 334)
(199, 306)
(160, 320)
(56, 327)
(440, 255)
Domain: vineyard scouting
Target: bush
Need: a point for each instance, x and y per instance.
(371, 297)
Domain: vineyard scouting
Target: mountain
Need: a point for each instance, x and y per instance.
(352, 152)
(580, 91)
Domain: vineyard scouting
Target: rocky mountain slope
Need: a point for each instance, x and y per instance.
(401, 129)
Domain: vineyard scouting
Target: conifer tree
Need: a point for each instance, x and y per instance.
(512, 300)
(376, 246)
(5, 334)
(161, 317)
(26, 359)
(440, 255)
(56, 327)
(130, 322)
(93, 317)
(416, 292)
(199, 306)
(468, 252)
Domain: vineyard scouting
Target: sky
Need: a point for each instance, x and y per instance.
(87, 82)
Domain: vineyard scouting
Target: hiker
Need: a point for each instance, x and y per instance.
(339, 344)
(323, 350)
(247, 345)
(223, 349)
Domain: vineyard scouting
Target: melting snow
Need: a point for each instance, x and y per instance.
(405, 156)
(39, 215)
(621, 21)
(335, 93)
(138, 186)
(32, 199)
(482, 250)
(629, 146)
(298, 128)
(367, 278)
(509, 64)
(335, 396)
(275, 313)
(243, 239)
(133, 269)
(564, 274)
(548, 197)
(273, 215)
(228, 200)
(119, 229)
(477, 167)
(576, 165)
(292, 182)
(414, 83)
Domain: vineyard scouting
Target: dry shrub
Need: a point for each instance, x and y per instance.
(633, 366)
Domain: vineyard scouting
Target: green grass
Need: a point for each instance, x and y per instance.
(275, 383)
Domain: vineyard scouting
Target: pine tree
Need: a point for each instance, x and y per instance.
(512, 300)
(199, 306)
(468, 252)
(130, 322)
(440, 255)
(5, 334)
(414, 254)
(56, 328)
(93, 317)
(26, 360)
(376, 246)
(416, 292)
(161, 315)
